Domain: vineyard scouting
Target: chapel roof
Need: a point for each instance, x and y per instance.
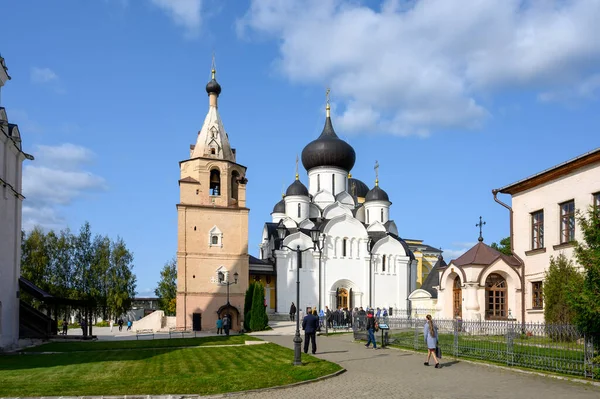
(357, 188)
(433, 279)
(297, 188)
(328, 150)
(279, 207)
(377, 194)
(483, 254)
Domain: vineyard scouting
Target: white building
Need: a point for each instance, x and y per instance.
(363, 261)
(485, 284)
(11, 159)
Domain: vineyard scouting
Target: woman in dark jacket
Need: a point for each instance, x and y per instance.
(292, 312)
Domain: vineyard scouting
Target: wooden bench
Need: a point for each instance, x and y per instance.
(142, 333)
(180, 330)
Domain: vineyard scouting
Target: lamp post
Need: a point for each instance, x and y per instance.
(314, 235)
(223, 282)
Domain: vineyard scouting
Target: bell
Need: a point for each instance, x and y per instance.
(214, 178)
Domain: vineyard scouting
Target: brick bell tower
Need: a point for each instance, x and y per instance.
(212, 236)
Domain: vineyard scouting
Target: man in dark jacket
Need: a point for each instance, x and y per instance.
(309, 325)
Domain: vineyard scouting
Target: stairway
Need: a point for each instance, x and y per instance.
(33, 323)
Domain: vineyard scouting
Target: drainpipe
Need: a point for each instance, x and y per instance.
(512, 250)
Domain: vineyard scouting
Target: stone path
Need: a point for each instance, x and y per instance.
(391, 373)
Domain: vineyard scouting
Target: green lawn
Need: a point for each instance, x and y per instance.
(155, 371)
(139, 344)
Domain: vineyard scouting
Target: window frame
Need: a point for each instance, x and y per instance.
(344, 248)
(496, 296)
(537, 230)
(537, 295)
(567, 222)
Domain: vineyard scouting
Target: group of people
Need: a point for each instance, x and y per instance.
(223, 324)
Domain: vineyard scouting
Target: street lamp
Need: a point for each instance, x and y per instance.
(223, 282)
(314, 235)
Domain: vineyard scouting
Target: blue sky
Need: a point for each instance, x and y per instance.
(451, 101)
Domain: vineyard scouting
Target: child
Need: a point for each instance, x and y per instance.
(219, 325)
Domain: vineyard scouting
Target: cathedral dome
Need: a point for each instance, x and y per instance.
(357, 188)
(213, 86)
(279, 207)
(297, 188)
(328, 150)
(377, 194)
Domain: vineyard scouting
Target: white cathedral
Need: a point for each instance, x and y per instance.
(360, 260)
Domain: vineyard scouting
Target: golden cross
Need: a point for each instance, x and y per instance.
(213, 67)
(297, 176)
(376, 170)
(327, 95)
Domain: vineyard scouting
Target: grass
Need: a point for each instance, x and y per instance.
(155, 371)
(140, 344)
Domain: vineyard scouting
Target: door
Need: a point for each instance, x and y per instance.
(457, 298)
(342, 299)
(197, 322)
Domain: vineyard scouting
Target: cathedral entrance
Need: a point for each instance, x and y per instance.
(457, 298)
(342, 298)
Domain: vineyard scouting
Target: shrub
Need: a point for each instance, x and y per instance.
(248, 306)
(258, 315)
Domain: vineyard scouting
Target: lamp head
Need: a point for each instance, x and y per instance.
(235, 277)
(281, 230)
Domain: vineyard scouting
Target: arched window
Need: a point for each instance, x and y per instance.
(234, 184)
(383, 264)
(344, 245)
(381, 215)
(457, 297)
(215, 240)
(215, 182)
(333, 184)
(299, 210)
(496, 297)
(368, 214)
(318, 183)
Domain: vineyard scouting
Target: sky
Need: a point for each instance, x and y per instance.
(451, 98)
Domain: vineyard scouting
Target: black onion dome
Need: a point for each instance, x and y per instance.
(213, 87)
(279, 207)
(328, 150)
(377, 194)
(297, 188)
(357, 188)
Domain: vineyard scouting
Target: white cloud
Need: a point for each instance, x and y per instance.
(26, 124)
(458, 248)
(412, 67)
(185, 13)
(43, 75)
(53, 181)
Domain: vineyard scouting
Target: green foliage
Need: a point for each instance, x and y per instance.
(80, 266)
(167, 288)
(561, 281)
(258, 315)
(248, 305)
(586, 300)
(503, 247)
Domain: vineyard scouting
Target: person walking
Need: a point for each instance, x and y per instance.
(293, 312)
(310, 323)
(129, 324)
(219, 325)
(371, 330)
(226, 324)
(430, 332)
(65, 326)
(120, 323)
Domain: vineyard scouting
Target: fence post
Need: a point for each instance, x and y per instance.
(588, 350)
(510, 343)
(455, 346)
(416, 342)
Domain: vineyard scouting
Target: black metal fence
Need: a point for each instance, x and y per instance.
(550, 347)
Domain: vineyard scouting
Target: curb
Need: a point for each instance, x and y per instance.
(514, 368)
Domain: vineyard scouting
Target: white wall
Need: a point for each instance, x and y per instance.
(578, 186)
(10, 240)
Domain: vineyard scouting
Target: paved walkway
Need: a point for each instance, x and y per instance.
(392, 373)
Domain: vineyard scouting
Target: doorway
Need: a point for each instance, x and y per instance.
(457, 298)
(197, 321)
(342, 298)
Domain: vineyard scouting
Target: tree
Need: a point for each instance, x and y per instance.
(35, 259)
(503, 247)
(586, 300)
(562, 280)
(258, 315)
(167, 288)
(122, 280)
(248, 306)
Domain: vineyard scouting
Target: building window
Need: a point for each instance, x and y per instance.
(318, 183)
(597, 201)
(214, 240)
(344, 244)
(368, 213)
(381, 215)
(235, 177)
(537, 230)
(383, 264)
(299, 210)
(215, 237)
(215, 182)
(496, 297)
(333, 184)
(567, 222)
(537, 295)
